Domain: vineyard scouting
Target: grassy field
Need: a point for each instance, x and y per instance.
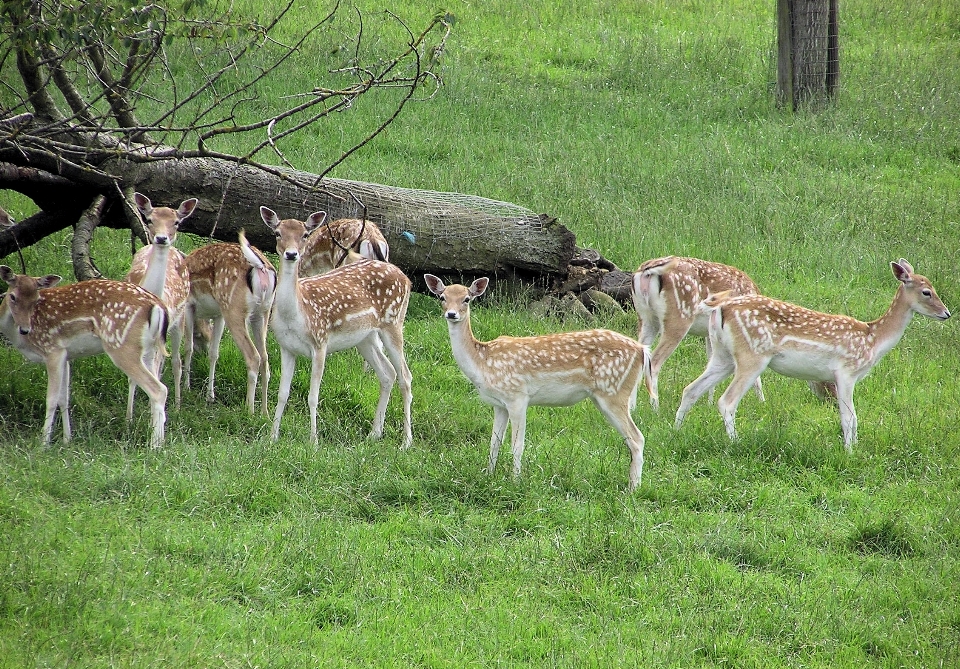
(648, 128)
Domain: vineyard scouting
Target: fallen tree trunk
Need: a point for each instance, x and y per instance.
(441, 233)
(427, 231)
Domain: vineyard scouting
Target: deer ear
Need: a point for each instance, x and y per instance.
(269, 217)
(902, 270)
(143, 203)
(366, 250)
(375, 250)
(186, 208)
(7, 274)
(48, 281)
(434, 284)
(478, 287)
(907, 266)
(315, 220)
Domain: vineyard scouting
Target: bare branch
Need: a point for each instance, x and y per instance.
(107, 69)
(38, 97)
(80, 107)
(122, 110)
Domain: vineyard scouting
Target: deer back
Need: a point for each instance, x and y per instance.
(91, 316)
(355, 298)
(342, 241)
(220, 271)
(679, 285)
(601, 361)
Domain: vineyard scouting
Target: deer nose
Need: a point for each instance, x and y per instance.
(162, 240)
(452, 315)
(24, 331)
(291, 255)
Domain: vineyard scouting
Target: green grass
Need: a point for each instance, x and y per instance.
(648, 128)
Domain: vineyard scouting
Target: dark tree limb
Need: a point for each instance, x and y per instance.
(39, 226)
(83, 267)
(65, 85)
(122, 111)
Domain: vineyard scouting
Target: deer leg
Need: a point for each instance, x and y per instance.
(288, 365)
(518, 424)
(189, 325)
(157, 392)
(719, 366)
(674, 329)
(317, 362)
(500, 419)
(142, 374)
(258, 327)
(848, 414)
(647, 330)
(617, 412)
(386, 374)
(65, 401)
(131, 395)
(251, 356)
(213, 353)
(745, 376)
(176, 337)
(391, 339)
(56, 364)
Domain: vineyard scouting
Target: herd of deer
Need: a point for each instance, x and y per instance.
(336, 290)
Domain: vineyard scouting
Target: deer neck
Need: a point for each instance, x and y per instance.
(287, 301)
(887, 330)
(155, 278)
(466, 349)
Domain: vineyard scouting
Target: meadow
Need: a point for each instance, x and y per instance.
(648, 128)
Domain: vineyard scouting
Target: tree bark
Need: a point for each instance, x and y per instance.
(427, 232)
(808, 52)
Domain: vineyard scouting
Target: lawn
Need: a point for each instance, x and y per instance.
(647, 128)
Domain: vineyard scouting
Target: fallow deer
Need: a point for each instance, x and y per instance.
(666, 294)
(54, 325)
(512, 373)
(233, 285)
(751, 333)
(341, 242)
(346, 308)
(161, 268)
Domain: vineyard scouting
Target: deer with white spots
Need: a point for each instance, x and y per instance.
(349, 307)
(53, 325)
(233, 285)
(342, 242)
(512, 373)
(161, 268)
(667, 293)
(751, 333)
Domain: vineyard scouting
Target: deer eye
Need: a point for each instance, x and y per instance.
(277, 235)
(13, 298)
(926, 292)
